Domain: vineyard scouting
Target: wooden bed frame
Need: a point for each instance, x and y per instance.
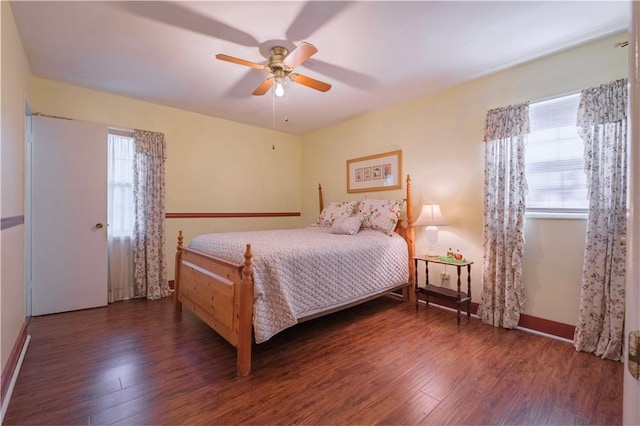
(221, 293)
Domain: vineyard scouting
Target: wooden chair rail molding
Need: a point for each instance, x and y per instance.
(10, 222)
(228, 215)
(241, 214)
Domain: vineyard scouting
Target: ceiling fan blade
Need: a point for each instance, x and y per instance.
(238, 61)
(310, 82)
(264, 87)
(300, 54)
(249, 78)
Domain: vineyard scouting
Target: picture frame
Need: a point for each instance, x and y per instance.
(380, 172)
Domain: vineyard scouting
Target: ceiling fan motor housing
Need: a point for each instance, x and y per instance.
(276, 62)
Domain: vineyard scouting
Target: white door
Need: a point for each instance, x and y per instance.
(69, 211)
(631, 394)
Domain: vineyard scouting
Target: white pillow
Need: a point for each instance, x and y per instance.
(346, 225)
(335, 210)
(380, 215)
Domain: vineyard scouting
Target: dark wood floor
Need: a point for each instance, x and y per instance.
(135, 362)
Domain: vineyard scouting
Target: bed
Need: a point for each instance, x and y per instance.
(248, 285)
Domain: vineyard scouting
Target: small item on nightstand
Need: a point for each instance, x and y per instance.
(457, 256)
(450, 253)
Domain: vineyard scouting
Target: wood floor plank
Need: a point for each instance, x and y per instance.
(560, 416)
(573, 397)
(136, 362)
(403, 386)
(607, 409)
(410, 410)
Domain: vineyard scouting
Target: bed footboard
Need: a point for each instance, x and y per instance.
(220, 293)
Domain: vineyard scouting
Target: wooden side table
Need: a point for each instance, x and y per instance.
(460, 297)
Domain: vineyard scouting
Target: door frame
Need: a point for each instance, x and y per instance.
(631, 386)
(28, 145)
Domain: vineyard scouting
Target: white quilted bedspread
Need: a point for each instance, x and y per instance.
(300, 272)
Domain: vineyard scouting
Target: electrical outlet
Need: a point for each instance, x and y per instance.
(444, 276)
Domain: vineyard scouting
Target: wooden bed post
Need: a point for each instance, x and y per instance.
(177, 305)
(320, 200)
(412, 248)
(245, 317)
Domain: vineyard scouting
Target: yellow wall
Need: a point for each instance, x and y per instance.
(441, 139)
(440, 136)
(213, 165)
(15, 76)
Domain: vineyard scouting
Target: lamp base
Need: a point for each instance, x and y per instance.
(432, 253)
(432, 238)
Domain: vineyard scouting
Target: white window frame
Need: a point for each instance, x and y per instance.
(555, 213)
(113, 231)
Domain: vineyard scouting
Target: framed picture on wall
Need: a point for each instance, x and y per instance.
(378, 172)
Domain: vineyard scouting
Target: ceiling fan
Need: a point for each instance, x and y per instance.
(281, 64)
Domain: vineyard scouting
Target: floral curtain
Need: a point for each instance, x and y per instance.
(505, 188)
(150, 267)
(602, 124)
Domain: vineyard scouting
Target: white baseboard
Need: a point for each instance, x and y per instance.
(14, 378)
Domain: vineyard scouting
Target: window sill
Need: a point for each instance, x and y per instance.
(556, 215)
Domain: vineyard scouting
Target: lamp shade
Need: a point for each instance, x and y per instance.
(430, 216)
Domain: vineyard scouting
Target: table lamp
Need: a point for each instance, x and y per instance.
(431, 217)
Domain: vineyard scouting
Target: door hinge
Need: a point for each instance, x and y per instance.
(634, 354)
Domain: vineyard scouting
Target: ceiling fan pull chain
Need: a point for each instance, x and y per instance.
(286, 106)
(273, 122)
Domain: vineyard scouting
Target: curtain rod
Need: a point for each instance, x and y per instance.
(120, 131)
(39, 114)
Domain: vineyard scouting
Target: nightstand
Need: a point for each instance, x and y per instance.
(461, 298)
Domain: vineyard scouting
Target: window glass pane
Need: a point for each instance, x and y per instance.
(120, 190)
(554, 157)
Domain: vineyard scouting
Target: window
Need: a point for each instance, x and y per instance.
(120, 181)
(554, 160)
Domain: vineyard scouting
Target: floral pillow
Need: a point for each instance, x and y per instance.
(346, 225)
(335, 210)
(380, 215)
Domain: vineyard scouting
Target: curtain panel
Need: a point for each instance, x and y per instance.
(505, 188)
(602, 124)
(150, 268)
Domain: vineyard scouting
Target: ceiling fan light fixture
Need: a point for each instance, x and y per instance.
(279, 86)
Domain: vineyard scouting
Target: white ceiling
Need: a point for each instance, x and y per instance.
(375, 54)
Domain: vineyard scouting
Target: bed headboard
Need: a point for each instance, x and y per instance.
(401, 227)
(404, 229)
(409, 233)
